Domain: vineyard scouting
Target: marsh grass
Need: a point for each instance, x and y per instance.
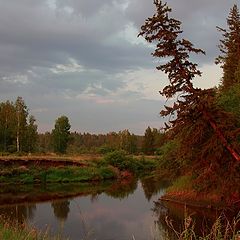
(222, 229)
(15, 231)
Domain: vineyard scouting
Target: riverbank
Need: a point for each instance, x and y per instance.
(183, 191)
(47, 169)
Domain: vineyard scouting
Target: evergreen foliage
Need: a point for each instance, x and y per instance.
(230, 49)
(200, 122)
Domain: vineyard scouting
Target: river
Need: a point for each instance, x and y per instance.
(121, 210)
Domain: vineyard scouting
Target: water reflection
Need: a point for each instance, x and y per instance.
(153, 186)
(111, 210)
(61, 209)
(18, 213)
(178, 216)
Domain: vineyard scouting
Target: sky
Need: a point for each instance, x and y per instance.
(82, 59)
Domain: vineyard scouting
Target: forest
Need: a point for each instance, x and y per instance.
(19, 135)
(200, 142)
(188, 167)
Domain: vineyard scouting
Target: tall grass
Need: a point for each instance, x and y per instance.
(23, 232)
(222, 229)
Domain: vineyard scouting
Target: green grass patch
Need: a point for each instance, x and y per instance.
(57, 174)
(181, 183)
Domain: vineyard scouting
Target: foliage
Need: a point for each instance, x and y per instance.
(123, 161)
(61, 133)
(165, 31)
(148, 142)
(230, 49)
(81, 143)
(18, 132)
(105, 149)
(169, 158)
(56, 174)
(229, 100)
(205, 132)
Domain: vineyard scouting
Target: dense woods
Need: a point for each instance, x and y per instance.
(200, 140)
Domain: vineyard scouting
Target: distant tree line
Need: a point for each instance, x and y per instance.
(79, 143)
(18, 133)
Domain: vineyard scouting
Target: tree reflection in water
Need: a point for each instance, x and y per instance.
(61, 209)
(18, 213)
(177, 215)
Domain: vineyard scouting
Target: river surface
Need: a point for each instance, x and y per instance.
(109, 211)
(114, 210)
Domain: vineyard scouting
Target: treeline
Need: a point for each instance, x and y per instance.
(79, 143)
(18, 133)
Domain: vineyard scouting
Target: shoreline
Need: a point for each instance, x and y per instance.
(201, 201)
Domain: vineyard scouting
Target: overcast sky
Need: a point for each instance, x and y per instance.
(82, 59)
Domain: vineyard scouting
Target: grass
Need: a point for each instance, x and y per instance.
(37, 174)
(181, 183)
(22, 232)
(222, 229)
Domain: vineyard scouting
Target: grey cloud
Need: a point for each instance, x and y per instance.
(37, 36)
(199, 20)
(85, 8)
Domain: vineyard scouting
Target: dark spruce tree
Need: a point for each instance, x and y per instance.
(61, 134)
(206, 134)
(195, 110)
(230, 50)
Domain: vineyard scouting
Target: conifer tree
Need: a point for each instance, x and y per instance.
(230, 49)
(148, 142)
(194, 107)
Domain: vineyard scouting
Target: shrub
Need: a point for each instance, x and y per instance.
(123, 161)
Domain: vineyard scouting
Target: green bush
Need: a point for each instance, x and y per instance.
(105, 149)
(116, 158)
(123, 161)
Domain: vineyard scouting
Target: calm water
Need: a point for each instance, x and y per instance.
(107, 211)
(115, 210)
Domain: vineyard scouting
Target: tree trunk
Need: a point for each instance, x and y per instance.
(220, 135)
(18, 129)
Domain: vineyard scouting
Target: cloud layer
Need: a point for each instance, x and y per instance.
(82, 58)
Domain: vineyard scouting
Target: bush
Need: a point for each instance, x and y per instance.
(105, 149)
(123, 161)
(116, 158)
